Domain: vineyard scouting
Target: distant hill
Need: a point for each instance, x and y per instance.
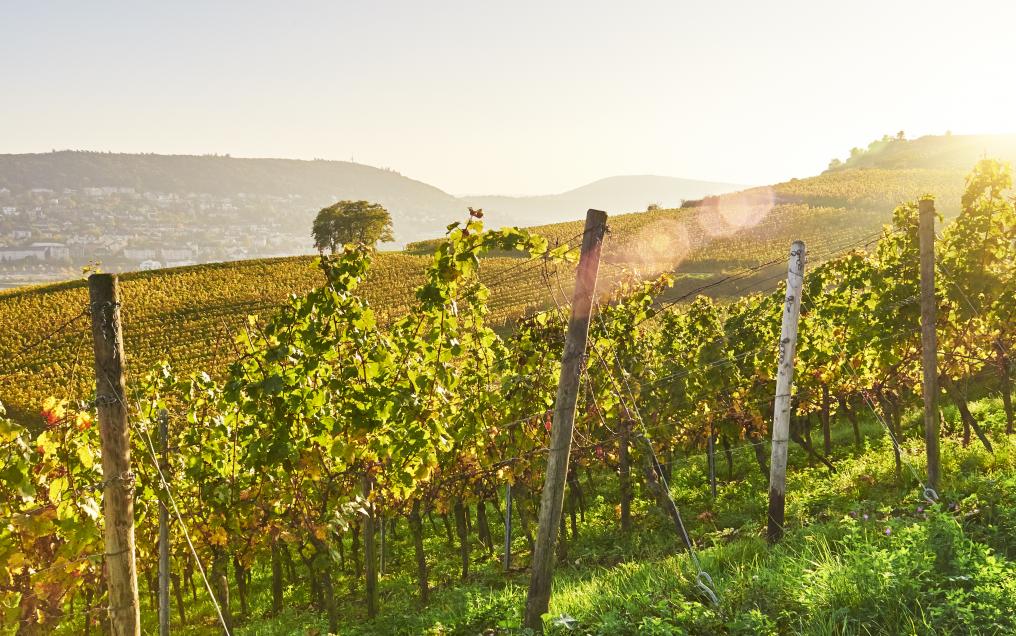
(419, 210)
(613, 194)
(936, 152)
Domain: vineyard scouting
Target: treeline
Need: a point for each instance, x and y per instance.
(220, 175)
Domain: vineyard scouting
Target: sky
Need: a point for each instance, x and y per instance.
(509, 97)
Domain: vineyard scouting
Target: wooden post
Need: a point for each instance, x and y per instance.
(384, 545)
(827, 434)
(118, 491)
(164, 529)
(784, 386)
(711, 459)
(369, 553)
(929, 348)
(462, 532)
(552, 499)
(507, 527)
(227, 615)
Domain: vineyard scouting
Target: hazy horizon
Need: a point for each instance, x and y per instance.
(515, 100)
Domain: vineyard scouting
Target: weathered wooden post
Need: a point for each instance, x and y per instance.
(227, 615)
(164, 529)
(507, 527)
(784, 386)
(369, 551)
(383, 546)
(118, 491)
(711, 460)
(552, 499)
(929, 348)
(827, 434)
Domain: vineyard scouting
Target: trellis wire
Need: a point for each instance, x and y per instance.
(702, 580)
(150, 446)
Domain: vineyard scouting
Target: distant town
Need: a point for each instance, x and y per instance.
(48, 235)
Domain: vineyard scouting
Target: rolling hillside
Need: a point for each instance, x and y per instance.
(717, 236)
(417, 208)
(188, 315)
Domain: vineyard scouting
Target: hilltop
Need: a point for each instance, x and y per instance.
(936, 152)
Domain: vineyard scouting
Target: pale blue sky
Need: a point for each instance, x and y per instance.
(511, 97)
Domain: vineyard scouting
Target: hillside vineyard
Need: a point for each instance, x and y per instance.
(351, 413)
(189, 315)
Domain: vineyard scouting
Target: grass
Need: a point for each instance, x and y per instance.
(863, 555)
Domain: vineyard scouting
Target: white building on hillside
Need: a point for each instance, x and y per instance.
(36, 252)
(140, 253)
(53, 251)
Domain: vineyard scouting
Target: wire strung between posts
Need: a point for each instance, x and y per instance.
(727, 361)
(843, 250)
(646, 428)
(952, 280)
(840, 250)
(728, 336)
(716, 363)
(72, 376)
(729, 278)
(528, 265)
(658, 380)
(928, 493)
(176, 511)
(702, 580)
(43, 339)
(531, 261)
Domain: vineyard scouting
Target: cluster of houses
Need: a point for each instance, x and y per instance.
(121, 227)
